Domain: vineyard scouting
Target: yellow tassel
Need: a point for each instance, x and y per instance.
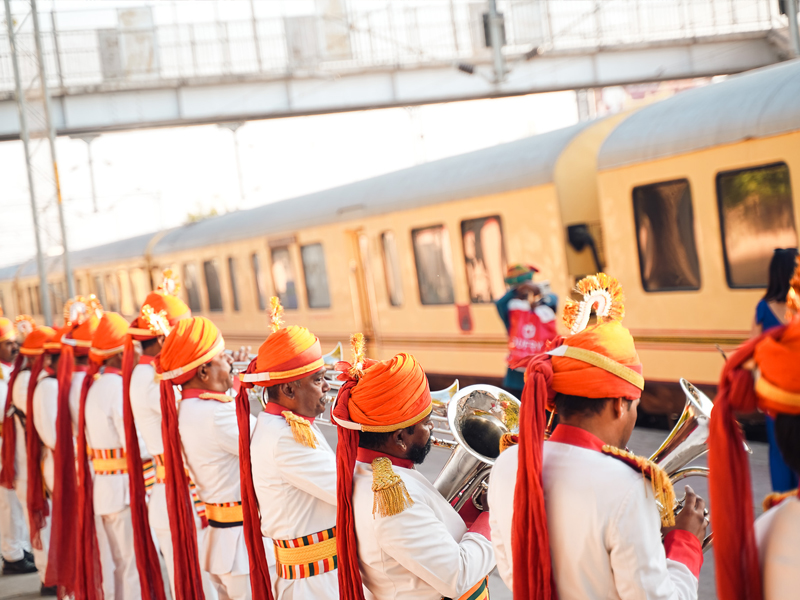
(391, 495)
(774, 498)
(358, 346)
(659, 481)
(301, 429)
(219, 397)
(507, 440)
(275, 314)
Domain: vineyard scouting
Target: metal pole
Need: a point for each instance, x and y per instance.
(255, 35)
(23, 127)
(57, 50)
(453, 24)
(51, 135)
(794, 34)
(89, 139)
(496, 40)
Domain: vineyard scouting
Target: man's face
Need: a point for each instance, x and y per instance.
(630, 422)
(311, 394)
(8, 350)
(420, 441)
(219, 372)
(51, 362)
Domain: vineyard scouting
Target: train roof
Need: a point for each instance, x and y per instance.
(756, 104)
(511, 166)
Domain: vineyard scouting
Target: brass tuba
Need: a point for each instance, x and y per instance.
(478, 416)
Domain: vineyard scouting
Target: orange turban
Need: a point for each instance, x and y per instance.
(287, 355)
(109, 339)
(192, 343)
(6, 330)
(376, 397)
(53, 346)
(173, 309)
(778, 388)
(36, 339)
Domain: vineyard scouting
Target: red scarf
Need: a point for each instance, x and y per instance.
(7, 474)
(147, 561)
(38, 510)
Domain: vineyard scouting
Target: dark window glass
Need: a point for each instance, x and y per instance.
(259, 281)
(36, 300)
(434, 265)
(190, 285)
(112, 293)
(100, 290)
(485, 258)
(212, 285)
(391, 266)
(283, 277)
(665, 235)
(232, 275)
(757, 216)
(316, 276)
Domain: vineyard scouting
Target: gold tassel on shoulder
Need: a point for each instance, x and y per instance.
(391, 495)
(507, 440)
(774, 498)
(301, 429)
(219, 397)
(659, 480)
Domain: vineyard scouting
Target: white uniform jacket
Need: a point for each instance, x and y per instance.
(105, 430)
(296, 490)
(426, 551)
(210, 438)
(19, 398)
(603, 522)
(45, 410)
(777, 535)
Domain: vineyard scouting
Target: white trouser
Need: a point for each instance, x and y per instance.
(232, 587)
(39, 556)
(13, 527)
(106, 559)
(119, 531)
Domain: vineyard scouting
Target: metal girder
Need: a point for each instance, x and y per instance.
(96, 109)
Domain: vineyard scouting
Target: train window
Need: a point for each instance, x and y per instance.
(283, 277)
(391, 266)
(665, 236)
(259, 280)
(126, 301)
(485, 258)
(316, 276)
(100, 290)
(757, 216)
(190, 285)
(213, 287)
(434, 262)
(112, 292)
(79, 286)
(36, 300)
(232, 275)
(139, 286)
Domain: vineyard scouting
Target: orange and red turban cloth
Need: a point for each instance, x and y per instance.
(775, 390)
(377, 396)
(192, 343)
(598, 361)
(161, 303)
(109, 338)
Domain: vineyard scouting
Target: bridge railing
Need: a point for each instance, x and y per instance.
(130, 48)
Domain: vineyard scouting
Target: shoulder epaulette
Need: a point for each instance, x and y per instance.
(215, 396)
(391, 496)
(301, 429)
(774, 498)
(507, 440)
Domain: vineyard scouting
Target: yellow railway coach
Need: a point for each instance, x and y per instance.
(683, 201)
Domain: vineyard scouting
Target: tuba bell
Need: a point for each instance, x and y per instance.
(478, 416)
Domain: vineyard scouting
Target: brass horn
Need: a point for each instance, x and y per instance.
(478, 416)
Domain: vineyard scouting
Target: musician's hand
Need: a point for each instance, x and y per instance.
(484, 500)
(692, 517)
(242, 354)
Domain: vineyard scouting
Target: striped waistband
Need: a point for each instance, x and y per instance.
(160, 469)
(108, 461)
(307, 556)
(480, 591)
(226, 514)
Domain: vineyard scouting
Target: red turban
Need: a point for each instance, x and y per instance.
(378, 397)
(777, 391)
(7, 331)
(595, 362)
(192, 343)
(288, 354)
(109, 339)
(34, 342)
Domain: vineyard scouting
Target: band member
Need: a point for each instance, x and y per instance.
(142, 409)
(15, 453)
(101, 412)
(293, 475)
(205, 430)
(762, 561)
(580, 487)
(394, 530)
(13, 533)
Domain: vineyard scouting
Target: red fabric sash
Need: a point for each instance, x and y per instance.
(9, 450)
(188, 582)
(38, 510)
(367, 456)
(147, 561)
(63, 532)
(89, 575)
(260, 583)
(273, 408)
